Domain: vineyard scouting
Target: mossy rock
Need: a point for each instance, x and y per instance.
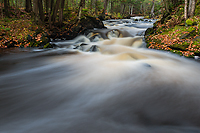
(180, 46)
(149, 31)
(191, 33)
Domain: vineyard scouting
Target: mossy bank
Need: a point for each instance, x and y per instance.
(172, 33)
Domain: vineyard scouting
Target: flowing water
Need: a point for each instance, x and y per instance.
(103, 82)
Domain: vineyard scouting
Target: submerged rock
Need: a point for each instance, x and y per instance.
(94, 48)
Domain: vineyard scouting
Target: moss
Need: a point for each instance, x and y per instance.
(189, 22)
(182, 46)
(48, 45)
(149, 31)
(176, 52)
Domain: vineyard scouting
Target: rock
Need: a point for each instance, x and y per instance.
(86, 23)
(149, 31)
(146, 65)
(94, 48)
(181, 47)
(192, 33)
(29, 38)
(91, 22)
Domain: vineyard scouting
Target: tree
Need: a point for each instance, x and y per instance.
(105, 7)
(35, 10)
(6, 8)
(185, 10)
(152, 9)
(61, 11)
(191, 8)
(41, 12)
(28, 5)
(82, 3)
(55, 10)
(96, 6)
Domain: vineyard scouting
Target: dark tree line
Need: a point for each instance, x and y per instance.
(52, 10)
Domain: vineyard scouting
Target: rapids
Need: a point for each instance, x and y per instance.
(103, 82)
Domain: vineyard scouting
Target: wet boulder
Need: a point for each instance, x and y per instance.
(79, 28)
(91, 23)
(94, 48)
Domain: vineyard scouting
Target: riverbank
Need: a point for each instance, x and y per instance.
(19, 30)
(172, 33)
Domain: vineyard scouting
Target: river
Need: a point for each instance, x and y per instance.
(103, 82)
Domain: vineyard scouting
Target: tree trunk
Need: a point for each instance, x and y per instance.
(6, 8)
(112, 3)
(152, 9)
(191, 8)
(8, 3)
(35, 10)
(185, 10)
(96, 7)
(47, 5)
(123, 8)
(28, 5)
(49, 13)
(80, 9)
(52, 3)
(61, 11)
(55, 10)
(132, 10)
(141, 9)
(105, 7)
(41, 12)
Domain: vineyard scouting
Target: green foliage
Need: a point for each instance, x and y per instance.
(180, 10)
(176, 52)
(189, 22)
(182, 46)
(197, 10)
(85, 12)
(119, 15)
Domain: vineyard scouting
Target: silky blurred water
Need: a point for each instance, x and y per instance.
(103, 82)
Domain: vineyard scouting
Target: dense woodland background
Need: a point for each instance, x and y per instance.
(56, 10)
(53, 11)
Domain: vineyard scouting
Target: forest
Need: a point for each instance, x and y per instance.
(28, 23)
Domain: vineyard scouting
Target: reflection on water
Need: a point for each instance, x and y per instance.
(89, 86)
